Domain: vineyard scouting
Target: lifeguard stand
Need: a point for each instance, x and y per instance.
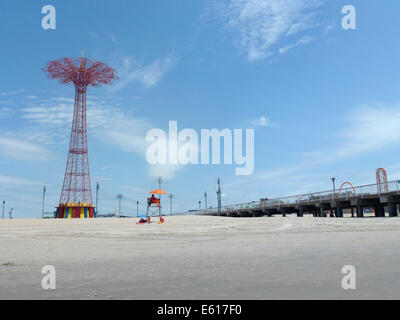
(154, 204)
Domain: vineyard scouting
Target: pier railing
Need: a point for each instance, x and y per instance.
(345, 194)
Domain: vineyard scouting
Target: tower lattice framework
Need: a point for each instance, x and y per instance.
(76, 186)
(76, 196)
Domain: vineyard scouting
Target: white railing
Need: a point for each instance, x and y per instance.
(346, 194)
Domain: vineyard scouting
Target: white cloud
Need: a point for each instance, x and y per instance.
(58, 114)
(109, 124)
(166, 171)
(329, 27)
(262, 24)
(302, 41)
(7, 93)
(367, 130)
(7, 102)
(149, 75)
(305, 23)
(94, 35)
(8, 180)
(6, 110)
(113, 37)
(262, 122)
(22, 150)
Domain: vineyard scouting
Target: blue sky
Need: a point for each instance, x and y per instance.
(323, 101)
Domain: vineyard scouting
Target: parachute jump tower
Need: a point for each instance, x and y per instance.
(76, 196)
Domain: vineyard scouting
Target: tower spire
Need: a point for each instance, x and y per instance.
(82, 67)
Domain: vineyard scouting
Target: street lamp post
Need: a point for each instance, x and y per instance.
(171, 197)
(205, 199)
(4, 203)
(219, 196)
(44, 195)
(334, 187)
(199, 205)
(97, 196)
(137, 209)
(119, 196)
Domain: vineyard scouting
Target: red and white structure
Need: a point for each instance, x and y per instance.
(76, 196)
(382, 181)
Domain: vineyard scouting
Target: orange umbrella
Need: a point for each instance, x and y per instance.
(158, 191)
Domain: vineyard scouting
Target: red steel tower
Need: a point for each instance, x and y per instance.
(76, 196)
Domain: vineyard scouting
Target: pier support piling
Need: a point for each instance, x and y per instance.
(379, 211)
(360, 211)
(392, 210)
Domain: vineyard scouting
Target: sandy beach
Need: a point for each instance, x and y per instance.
(197, 257)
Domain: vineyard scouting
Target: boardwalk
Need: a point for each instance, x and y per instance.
(384, 199)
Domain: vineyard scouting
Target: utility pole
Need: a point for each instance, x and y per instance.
(119, 197)
(205, 199)
(97, 196)
(334, 186)
(219, 196)
(170, 196)
(160, 181)
(44, 195)
(137, 209)
(4, 203)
